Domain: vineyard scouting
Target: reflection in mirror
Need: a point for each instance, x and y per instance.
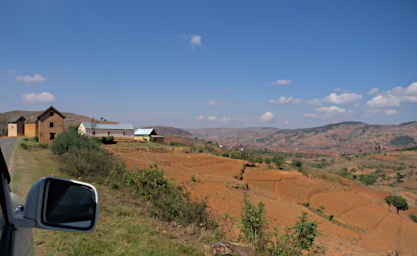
(68, 204)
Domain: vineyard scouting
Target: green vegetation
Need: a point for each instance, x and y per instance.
(368, 179)
(254, 223)
(402, 141)
(107, 140)
(296, 241)
(297, 163)
(399, 202)
(168, 201)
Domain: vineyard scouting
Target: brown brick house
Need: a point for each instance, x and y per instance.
(49, 124)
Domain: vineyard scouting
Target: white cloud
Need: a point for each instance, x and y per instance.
(200, 117)
(381, 101)
(395, 96)
(281, 82)
(337, 89)
(195, 40)
(36, 78)
(373, 91)
(286, 122)
(285, 100)
(330, 110)
(326, 112)
(267, 116)
(390, 112)
(212, 102)
(43, 97)
(211, 118)
(344, 98)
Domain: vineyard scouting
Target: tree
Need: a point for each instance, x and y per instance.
(399, 202)
(254, 223)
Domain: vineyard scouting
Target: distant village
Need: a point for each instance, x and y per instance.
(47, 125)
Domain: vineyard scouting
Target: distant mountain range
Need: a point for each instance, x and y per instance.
(349, 137)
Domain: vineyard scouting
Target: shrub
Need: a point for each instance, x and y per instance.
(368, 179)
(278, 161)
(169, 202)
(305, 232)
(331, 217)
(297, 163)
(70, 140)
(254, 223)
(344, 173)
(413, 217)
(296, 241)
(399, 202)
(107, 140)
(36, 138)
(84, 162)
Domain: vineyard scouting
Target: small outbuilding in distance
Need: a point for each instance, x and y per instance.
(102, 130)
(16, 126)
(147, 135)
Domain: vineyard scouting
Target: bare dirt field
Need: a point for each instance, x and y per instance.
(363, 223)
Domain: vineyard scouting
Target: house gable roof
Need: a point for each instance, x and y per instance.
(47, 111)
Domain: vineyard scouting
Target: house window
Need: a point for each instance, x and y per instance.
(51, 113)
(124, 133)
(94, 132)
(52, 136)
(108, 133)
(51, 124)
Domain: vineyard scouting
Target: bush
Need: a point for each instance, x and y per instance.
(69, 140)
(84, 162)
(278, 161)
(399, 202)
(107, 140)
(368, 179)
(297, 163)
(296, 241)
(169, 202)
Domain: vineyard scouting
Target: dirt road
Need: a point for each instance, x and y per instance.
(7, 145)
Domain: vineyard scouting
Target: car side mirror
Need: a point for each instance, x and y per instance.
(62, 204)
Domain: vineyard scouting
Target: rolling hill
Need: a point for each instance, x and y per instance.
(350, 137)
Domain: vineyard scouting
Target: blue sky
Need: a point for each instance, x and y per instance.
(197, 64)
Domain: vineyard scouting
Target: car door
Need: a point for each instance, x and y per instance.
(13, 241)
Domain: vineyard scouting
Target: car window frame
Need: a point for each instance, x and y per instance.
(6, 242)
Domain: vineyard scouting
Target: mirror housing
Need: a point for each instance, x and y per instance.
(61, 204)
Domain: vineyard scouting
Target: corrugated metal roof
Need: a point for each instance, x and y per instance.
(88, 125)
(143, 132)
